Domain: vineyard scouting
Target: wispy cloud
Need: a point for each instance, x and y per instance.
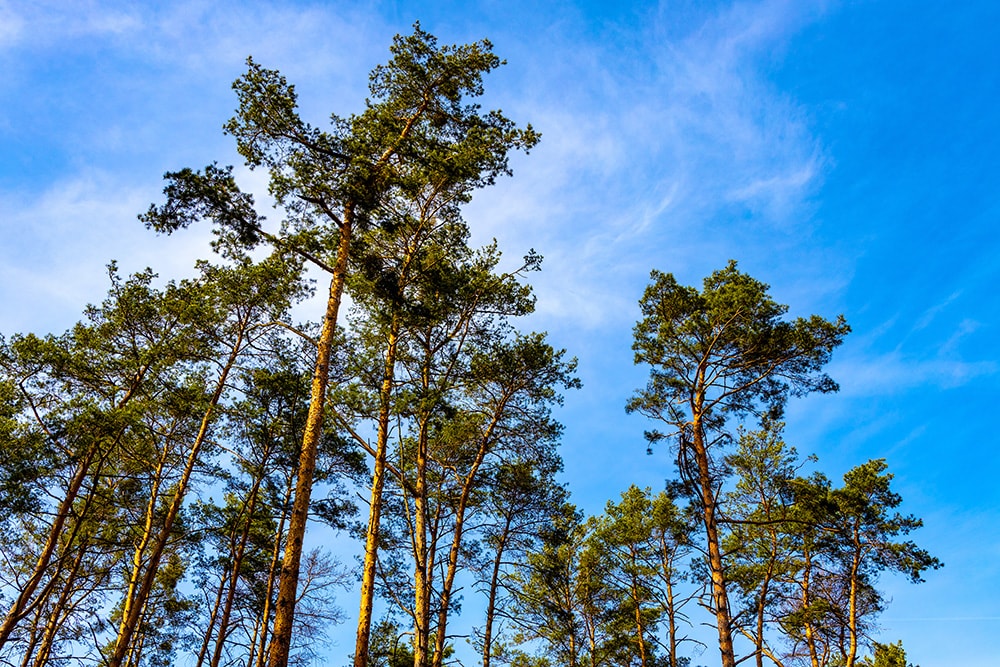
(43, 24)
(57, 246)
(893, 373)
(11, 26)
(662, 157)
(935, 310)
(643, 151)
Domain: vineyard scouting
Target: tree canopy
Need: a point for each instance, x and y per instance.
(163, 457)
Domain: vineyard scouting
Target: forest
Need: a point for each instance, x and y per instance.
(165, 459)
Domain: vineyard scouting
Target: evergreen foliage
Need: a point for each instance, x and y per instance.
(162, 458)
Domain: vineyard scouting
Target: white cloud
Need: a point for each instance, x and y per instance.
(43, 23)
(11, 26)
(893, 373)
(642, 152)
(931, 313)
(60, 242)
(645, 152)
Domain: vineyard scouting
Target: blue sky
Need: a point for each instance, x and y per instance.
(847, 153)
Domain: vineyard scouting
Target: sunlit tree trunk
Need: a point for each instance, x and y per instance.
(456, 543)
(134, 606)
(59, 611)
(810, 632)
(369, 569)
(421, 551)
(273, 573)
(137, 573)
(706, 479)
(239, 552)
(284, 609)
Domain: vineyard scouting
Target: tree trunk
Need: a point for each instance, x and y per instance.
(806, 602)
(368, 571)
(666, 573)
(56, 617)
(671, 626)
(284, 610)
(135, 607)
(210, 630)
(421, 580)
(34, 636)
(21, 607)
(494, 588)
(272, 575)
(138, 555)
(638, 624)
(852, 605)
(720, 596)
(456, 543)
(234, 575)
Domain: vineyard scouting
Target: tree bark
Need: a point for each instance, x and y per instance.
(21, 607)
(494, 588)
(421, 580)
(284, 609)
(368, 572)
(720, 596)
(135, 607)
(272, 576)
(234, 576)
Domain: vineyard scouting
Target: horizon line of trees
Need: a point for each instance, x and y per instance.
(162, 459)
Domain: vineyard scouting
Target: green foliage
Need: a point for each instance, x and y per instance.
(646, 541)
(417, 132)
(888, 655)
(391, 647)
(103, 426)
(731, 342)
(866, 519)
(25, 457)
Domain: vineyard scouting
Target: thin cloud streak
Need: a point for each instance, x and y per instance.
(690, 123)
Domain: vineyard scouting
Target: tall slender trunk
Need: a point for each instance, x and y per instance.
(137, 574)
(234, 576)
(57, 616)
(638, 624)
(570, 605)
(806, 602)
(369, 569)
(272, 576)
(213, 616)
(671, 626)
(493, 590)
(134, 653)
(421, 579)
(34, 636)
(59, 534)
(135, 607)
(852, 601)
(720, 596)
(21, 606)
(456, 542)
(765, 588)
(572, 649)
(284, 610)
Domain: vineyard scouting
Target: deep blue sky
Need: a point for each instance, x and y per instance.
(844, 152)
